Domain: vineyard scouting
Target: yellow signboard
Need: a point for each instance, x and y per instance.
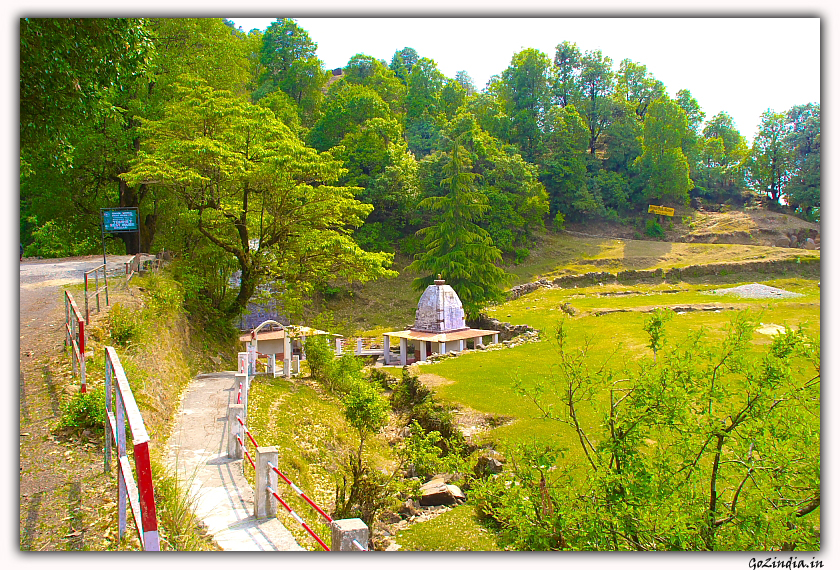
(661, 210)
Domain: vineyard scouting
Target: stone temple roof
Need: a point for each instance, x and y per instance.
(439, 310)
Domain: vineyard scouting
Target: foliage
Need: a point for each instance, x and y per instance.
(289, 64)
(409, 393)
(420, 449)
(655, 327)
(68, 66)
(84, 411)
(52, 239)
(683, 455)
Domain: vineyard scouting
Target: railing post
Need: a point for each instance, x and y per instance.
(121, 475)
(235, 411)
(265, 505)
(109, 373)
(345, 531)
(87, 310)
(243, 379)
(82, 358)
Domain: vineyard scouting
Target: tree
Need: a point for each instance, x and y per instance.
(424, 116)
(596, 85)
(464, 80)
(255, 191)
(662, 165)
(525, 90)
(803, 189)
(723, 153)
(402, 62)
(67, 68)
(635, 85)
(290, 65)
(769, 161)
(562, 160)
(566, 74)
(370, 72)
(456, 247)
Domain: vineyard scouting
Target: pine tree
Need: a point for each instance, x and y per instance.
(457, 249)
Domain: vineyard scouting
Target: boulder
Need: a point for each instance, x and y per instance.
(809, 244)
(437, 492)
(783, 241)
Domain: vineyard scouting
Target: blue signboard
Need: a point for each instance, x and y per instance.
(119, 220)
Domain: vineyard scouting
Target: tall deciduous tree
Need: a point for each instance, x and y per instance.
(662, 165)
(290, 64)
(256, 192)
(565, 82)
(596, 86)
(769, 162)
(456, 247)
(525, 89)
(803, 190)
(723, 154)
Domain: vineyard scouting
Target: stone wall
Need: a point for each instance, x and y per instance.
(809, 267)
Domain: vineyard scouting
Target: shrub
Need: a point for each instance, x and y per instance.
(653, 229)
(84, 411)
(409, 393)
(559, 221)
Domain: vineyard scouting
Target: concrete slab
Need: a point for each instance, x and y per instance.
(197, 451)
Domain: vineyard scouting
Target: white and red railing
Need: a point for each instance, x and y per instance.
(139, 494)
(74, 337)
(270, 467)
(347, 534)
(97, 291)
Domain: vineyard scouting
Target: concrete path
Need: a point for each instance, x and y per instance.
(198, 451)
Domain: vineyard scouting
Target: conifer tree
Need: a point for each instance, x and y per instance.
(457, 249)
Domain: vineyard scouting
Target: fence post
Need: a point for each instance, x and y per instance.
(82, 357)
(235, 451)
(265, 505)
(345, 531)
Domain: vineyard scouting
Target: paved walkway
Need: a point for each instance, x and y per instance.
(198, 451)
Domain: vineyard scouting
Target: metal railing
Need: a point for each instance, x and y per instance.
(88, 294)
(121, 406)
(74, 337)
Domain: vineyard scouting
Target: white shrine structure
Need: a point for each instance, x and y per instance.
(439, 327)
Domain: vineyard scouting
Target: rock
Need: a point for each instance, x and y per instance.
(436, 492)
(410, 508)
(387, 517)
(568, 309)
(489, 462)
(783, 241)
(810, 244)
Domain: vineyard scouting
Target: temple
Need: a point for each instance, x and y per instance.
(439, 327)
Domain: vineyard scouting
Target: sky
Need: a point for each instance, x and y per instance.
(742, 66)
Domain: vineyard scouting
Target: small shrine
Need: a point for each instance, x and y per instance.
(439, 327)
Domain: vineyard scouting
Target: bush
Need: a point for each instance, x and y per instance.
(559, 221)
(84, 411)
(654, 230)
(409, 393)
(521, 254)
